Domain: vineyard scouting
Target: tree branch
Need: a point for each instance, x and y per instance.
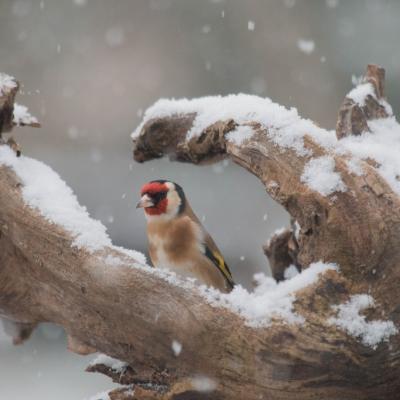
(134, 313)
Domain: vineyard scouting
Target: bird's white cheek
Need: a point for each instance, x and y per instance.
(173, 203)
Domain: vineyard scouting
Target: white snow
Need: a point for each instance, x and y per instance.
(44, 190)
(273, 185)
(357, 79)
(251, 25)
(137, 255)
(290, 272)
(240, 134)
(203, 384)
(364, 89)
(113, 261)
(110, 362)
(285, 127)
(7, 83)
(265, 216)
(270, 300)
(22, 116)
(279, 231)
(306, 46)
(354, 166)
(349, 319)
(297, 229)
(360, 93)
(382, 144)
(176, 347)
(319, 175)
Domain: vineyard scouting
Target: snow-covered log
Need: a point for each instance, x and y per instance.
(329, 332)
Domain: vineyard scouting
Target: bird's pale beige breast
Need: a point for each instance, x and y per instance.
(176, 240)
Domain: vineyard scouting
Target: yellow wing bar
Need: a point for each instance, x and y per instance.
(220, 263)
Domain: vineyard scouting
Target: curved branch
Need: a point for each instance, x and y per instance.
(362, 221)
(133, 313)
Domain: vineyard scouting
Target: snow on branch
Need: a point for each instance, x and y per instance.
(380, 140)
(44, 190)
(270, 300)
(364, 103)
(7, 83)
(171, 332)
(13, 114)
(22, 117)
(370, 332)
(319, 174)
(287, 128)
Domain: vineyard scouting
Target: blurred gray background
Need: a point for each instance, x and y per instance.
(90, 68)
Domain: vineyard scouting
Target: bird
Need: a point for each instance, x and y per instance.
(177, 240)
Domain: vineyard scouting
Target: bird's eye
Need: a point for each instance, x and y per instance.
(158, 196)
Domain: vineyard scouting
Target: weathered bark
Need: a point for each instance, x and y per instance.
(282, 251)
(134, 315)
(7, 98)
(7, 108)
(353, 118)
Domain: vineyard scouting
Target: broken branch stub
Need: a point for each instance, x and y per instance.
(7, 97)
(354, 116)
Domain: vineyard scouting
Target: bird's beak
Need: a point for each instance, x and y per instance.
(144, 202)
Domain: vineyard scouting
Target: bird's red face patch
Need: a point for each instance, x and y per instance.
(157, 191)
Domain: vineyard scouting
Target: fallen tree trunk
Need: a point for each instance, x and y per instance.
(134, 314)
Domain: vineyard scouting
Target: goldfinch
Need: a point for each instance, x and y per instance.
(177, 239)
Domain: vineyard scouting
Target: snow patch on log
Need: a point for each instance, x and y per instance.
(113, 261)
(110, 362)
(360, 93)
(7, 83)
(286, 127)
(176, 347)
(382, 144)
(290, 272)
(319, 175)
(354, 166)
(22, 116)
(44, 190)
(240, 134)
(270, 299)
(349, 319)
(288, 130)
(203, 384)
